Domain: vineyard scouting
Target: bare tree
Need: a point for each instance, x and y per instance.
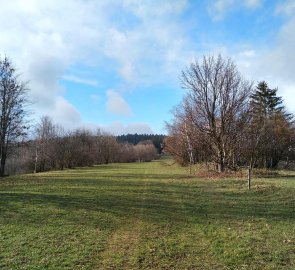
(216, 104)
(46, 133)
(145, 151)
(185, 142)
(107, 148)
(126, 153)
(13, 102)
(178, 143)
(81, 148)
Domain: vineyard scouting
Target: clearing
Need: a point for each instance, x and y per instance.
(145, 216)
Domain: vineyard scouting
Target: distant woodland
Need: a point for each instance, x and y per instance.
(156, 139)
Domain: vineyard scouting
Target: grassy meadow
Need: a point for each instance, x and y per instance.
(145, 216)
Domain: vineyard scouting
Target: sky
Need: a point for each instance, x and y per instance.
(116, 64)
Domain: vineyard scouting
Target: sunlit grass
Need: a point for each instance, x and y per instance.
(145, 216)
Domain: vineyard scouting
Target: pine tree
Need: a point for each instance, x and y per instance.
(270, 126)
(265, 100)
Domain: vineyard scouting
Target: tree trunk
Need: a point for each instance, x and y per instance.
(3, 161)
(221, 167)
(36, 160)
(221, 163)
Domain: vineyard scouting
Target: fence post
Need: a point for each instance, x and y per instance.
(249, 178)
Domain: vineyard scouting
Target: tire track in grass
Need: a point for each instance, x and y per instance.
(161, 245)
(120, 249)
(177, 242)
(124, 242)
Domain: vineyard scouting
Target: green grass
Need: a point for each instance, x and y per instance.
(145, 216)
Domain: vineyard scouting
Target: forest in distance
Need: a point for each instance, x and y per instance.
(223, 120)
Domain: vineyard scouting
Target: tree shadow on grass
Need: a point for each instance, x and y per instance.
(120, 176)
(177, 203)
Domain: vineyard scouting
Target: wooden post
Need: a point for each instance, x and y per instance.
(36, 160)
(249, 178)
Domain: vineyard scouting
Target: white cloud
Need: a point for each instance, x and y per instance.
(75, 79)
(279, 62)
(275, 64)
(140, 128)
(47, 38)
(95, 97)
(116, 104)
(247, 53)
(146, 9)
(43, 40)
(65, 114)
(144, 51)
(220, 8)
(252, 3)
(127, 72)
(118, 128)
(286, 7)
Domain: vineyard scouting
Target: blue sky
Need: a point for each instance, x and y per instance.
(115, 64)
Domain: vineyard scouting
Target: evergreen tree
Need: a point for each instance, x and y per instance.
(265, 100)
(270, 127)
(134, 139)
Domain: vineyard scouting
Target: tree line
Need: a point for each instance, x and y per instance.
(53, 148)
(156, 139)
(50, 146)
(227, 121)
